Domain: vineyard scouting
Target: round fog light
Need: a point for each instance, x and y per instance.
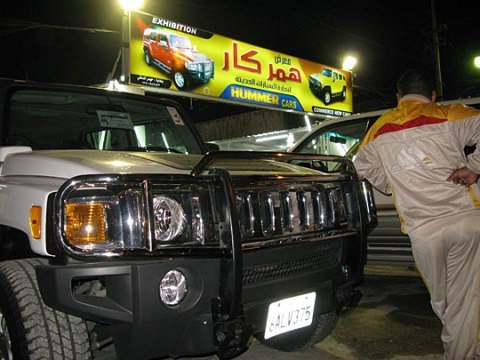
(173, 288)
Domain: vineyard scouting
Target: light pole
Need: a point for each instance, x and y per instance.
(436, 48)
(127, 6)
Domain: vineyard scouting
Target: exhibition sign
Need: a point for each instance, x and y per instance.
(173, 56)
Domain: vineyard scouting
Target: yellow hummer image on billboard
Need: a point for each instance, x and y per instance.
(329, 85)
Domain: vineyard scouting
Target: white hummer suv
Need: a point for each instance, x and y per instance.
(119, 232)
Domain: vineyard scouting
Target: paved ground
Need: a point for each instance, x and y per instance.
(393, 321)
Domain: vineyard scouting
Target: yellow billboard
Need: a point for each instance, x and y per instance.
(169, 55)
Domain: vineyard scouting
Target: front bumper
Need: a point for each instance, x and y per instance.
(143, 327)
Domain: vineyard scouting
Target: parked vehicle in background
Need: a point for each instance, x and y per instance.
(174, 54)
(328, 85)
(118, 228)
(386, 243)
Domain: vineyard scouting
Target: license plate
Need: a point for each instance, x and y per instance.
(289, 314)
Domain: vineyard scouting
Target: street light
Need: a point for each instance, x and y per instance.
(349, 63)
(127, 5)
(476, 62)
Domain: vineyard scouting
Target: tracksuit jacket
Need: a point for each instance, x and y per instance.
(412, 149)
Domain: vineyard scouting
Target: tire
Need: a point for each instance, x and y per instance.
(148, 58)
(327, 96)
(181, 81)
(30, 329)
(305, 338)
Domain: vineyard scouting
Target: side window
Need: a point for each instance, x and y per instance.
(153, 36)
(162, 40)
(342, 139)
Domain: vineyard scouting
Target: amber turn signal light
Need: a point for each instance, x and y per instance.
(85, 224)
(36, 221)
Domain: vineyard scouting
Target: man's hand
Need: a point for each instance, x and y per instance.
(463, 176)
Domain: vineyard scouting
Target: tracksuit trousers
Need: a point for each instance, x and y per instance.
(447, 255)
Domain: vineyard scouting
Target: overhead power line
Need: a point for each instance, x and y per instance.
(13, 26)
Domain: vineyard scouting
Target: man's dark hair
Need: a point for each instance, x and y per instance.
(415, 81)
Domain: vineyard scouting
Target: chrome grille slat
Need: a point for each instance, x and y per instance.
(299, 209)
(267, 213)
(286, 211)
(303, 212)
(320, 208)
(246, 216)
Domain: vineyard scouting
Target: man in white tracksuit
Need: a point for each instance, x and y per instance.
(416, 152)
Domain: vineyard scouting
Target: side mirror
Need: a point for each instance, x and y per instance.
(164, 44)
(212, 147)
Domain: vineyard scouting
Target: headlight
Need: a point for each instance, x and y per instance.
(105, 222)
(111, 216)
(192, 66)
(169, 218)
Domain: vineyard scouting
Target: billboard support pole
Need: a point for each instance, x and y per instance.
(125, 75)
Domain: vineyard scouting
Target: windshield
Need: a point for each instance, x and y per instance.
(327, 72)
(181, 42)
(69, 120)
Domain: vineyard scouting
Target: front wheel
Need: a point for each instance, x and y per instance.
(148, 58)
(327, 96)
(28, 328)
(305, 338)
(181, 81)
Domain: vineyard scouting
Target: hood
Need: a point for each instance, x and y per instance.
(70, 163)
(315, 77)
(193, 55)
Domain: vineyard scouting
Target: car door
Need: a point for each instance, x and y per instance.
(162, 52)
(386, 243)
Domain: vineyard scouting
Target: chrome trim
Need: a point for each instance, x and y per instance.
(320, 209)
(286, 211)
(267, 213)
(303, 210)
(149, 225)
(367, 195)
(267, 209)
(288, 239)
(131, 207)
(246, 215)
(129, 213)
(198, 224)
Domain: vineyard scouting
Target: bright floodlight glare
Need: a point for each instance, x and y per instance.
(476, 61)
(129, 5)
(349, 63)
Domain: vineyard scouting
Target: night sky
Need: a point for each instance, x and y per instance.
(78, 41)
